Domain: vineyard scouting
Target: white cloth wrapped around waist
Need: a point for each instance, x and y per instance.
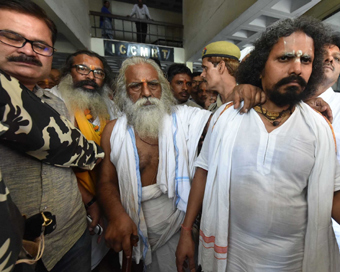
(162, 218)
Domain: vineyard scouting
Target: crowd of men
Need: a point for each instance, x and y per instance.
(192, 176)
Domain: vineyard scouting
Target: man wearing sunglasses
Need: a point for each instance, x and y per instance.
(27, 38)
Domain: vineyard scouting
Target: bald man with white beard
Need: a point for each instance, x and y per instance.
(146, 173)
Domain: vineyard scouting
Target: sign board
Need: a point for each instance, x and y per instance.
(125, 49)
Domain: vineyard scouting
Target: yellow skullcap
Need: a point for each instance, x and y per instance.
(221, 49)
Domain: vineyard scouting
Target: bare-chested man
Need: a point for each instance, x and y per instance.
(146, 174)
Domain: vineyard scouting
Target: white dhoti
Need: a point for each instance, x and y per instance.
(163, 222)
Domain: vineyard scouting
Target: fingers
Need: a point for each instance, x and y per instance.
(247, 102)
(329, 114)
(192, 264)
(126, 244)
(263, 97)
(236, 98)
(134, 240)
(179, 264)
(180, 258)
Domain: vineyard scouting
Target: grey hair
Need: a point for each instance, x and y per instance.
(120, 85)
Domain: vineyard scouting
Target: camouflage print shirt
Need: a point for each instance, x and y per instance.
(36, 187)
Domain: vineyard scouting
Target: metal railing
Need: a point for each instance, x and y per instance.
(124, 28)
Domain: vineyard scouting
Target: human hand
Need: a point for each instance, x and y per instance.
(185, 251)
(119, 232)
(95, 213)
(251, 95)
(96, 216)
(322, 106)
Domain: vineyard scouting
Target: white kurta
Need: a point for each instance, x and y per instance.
(268, 206)
(178, 141)
(268, 198)
(333, 99)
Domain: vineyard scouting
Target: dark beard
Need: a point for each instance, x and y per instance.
(292, 94)
(81, 84)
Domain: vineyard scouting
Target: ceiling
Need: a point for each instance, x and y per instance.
(250, 24)
(169, 5)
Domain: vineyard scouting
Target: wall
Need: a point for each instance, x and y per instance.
(203, 20)
(72, 20)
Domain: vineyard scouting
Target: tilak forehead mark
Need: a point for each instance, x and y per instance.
(145, 83)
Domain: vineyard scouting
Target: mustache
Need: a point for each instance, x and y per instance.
(82, 83)
(25, 58)
(291, 79)
(328, 65)
(142, 101)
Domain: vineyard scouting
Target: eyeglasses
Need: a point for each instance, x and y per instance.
(84, 70)
(16, 40)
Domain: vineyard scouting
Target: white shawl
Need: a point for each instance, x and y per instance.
(321, 252)
(178, 141)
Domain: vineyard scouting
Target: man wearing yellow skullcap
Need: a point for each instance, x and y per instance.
(220, 61)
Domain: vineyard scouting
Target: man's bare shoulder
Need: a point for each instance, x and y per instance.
(109, 127)
(108, 131)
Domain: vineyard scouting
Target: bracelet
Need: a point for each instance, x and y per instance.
(93, 200)
(186, 228)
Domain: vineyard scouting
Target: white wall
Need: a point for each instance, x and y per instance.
(72, 20)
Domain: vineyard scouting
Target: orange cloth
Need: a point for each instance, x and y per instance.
(88, 178)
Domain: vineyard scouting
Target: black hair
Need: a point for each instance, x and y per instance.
(250, 70)
(336, 39)
(195, 74)
(66, 69)
(30, 8)
(177, 68)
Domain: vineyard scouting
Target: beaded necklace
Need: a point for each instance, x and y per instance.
(273, 116)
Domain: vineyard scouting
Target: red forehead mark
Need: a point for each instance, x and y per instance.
(145, 84)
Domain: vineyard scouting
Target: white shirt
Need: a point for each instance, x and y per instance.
(333, 99)
(268, 210)
(141, 13)
(269, 178)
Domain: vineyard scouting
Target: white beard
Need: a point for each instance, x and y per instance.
(146, 119)
(78, 99)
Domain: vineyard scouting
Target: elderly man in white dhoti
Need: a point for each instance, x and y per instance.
(147, 171)
(266, 179)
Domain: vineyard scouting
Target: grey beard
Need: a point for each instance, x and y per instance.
(78, 99)
(146, 120)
